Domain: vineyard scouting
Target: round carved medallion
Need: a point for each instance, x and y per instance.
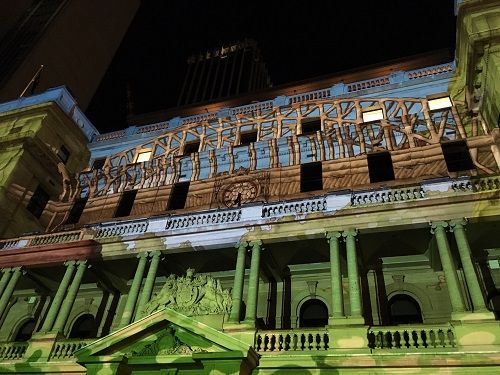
(239, 192)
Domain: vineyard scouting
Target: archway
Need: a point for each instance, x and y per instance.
(25, 332)
(313, 313)
(404, 309)
(84, 327)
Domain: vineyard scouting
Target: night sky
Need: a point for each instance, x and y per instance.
(298, 40)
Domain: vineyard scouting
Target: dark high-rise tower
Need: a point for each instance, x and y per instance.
(226, 71)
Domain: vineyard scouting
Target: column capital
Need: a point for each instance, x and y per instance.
(143, 254)
(7, 269)
(458, 224)
(256, 244)
(70, 263)
(17, 269)
(242, 244)
(330, 235)
(350, 233)
(438, 225)
(155, 253)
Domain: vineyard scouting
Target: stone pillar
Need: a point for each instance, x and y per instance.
(134, 291)
(253, 283)
(6, 272)
(239, 280)
(68, 302)
(352, 273)
(457, 302)
(457, 227)
(335, 275)
(9, 289)
(59, 296)
(148, 284)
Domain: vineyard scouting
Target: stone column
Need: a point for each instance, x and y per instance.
(239, 280)
(68, 302)
(457, 227)
(134, 291)
(9, 289)
(6, 272)
(59, 296)
(352, 273)
(253, 283)
(148, 284)
(457, 302)
(335, 275)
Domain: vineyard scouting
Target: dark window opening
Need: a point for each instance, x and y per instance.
(38, 201)
(380, 167)
(98, 163)
(63, 154)
(191, 147)
(85, 327)
(76, 211)
(311, 127)
(248, 137)
(313, 313)
(404, 310)
(25, 332)
(178, 196)
(457, 156)
(126, 202)
(311, 177)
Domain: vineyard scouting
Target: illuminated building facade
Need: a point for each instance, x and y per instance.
(348, 228)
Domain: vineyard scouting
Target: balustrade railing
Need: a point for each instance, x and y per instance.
(293, 340)
(208, 218)
(54, 238)
(387, 195)
(411, 337)
(65, 349)
(12, 350)
(120, 229)
(305, 206)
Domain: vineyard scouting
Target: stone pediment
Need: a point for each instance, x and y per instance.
(165, 339)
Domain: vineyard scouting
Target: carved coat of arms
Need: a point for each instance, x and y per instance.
(191, 295)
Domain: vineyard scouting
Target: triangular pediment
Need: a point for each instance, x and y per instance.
(165, 333)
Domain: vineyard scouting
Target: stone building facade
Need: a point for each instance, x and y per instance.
(350, 227)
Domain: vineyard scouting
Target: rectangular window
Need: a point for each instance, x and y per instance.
(38, 201)
(457, 156)
(76, 211)
(98, 163)
(126, 203)
(143, 156)
(63, 154)
(380, 167)
(178, 196)
(248, 137)
(310, 127)
(191, 147)
(311, 177)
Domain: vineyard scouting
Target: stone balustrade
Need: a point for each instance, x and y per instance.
(387, 196)
(208, 218)
(419, 337)
(54, 238)
(121, 229)
(304, 340)
(12, 350)
(305, 206)
(65, 349)
(257, 214)
(310, 95)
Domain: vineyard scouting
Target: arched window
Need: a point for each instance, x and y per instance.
(84, 327)
(404, 310)
(25, 331)
(313, 313)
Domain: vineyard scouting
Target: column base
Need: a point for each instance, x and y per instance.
(346, 321)
(350, 338)
(469, 316)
